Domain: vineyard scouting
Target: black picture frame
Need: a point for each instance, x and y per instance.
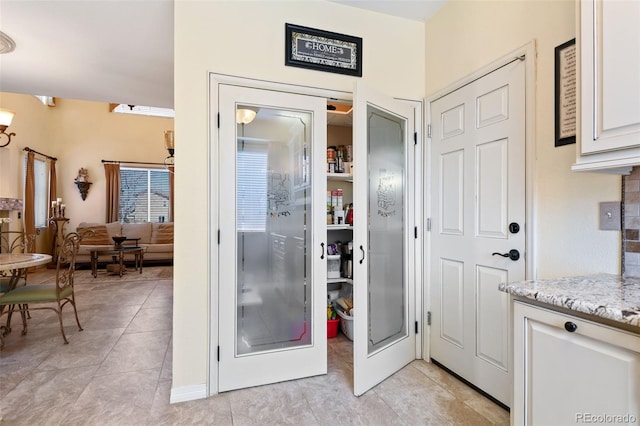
(320, 50)
(566, 90)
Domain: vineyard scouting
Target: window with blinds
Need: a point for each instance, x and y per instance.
(41, 193)
(251, 189)
(144, 195)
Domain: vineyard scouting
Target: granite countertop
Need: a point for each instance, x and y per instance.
(603, 295)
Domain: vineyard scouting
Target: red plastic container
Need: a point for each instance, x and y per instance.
(332, 328)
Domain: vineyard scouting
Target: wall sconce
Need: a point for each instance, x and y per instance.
(169, 144)
(6, 117)
(82, 182)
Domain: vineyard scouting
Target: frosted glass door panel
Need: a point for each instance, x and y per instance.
(273, 205)
(387, 283)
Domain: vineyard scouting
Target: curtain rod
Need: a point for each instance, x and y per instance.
(131, 162)
(39, 153)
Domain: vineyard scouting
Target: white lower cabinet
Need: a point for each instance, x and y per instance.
(570, 371)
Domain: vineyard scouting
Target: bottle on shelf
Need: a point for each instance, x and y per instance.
(348, 218)
(331, 159)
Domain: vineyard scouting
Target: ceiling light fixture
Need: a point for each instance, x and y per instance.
(245, 115)
(7, 45)
(6, 117)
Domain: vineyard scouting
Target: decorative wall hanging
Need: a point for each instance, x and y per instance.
(82, 181)
(322, 50)
(565, 93)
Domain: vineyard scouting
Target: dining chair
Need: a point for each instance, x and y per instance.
(51, 296)
(15, 242)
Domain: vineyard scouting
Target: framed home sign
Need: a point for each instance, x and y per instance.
(565, 93)
(322, 50)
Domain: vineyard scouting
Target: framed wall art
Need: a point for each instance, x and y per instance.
(322, 50)
(565, 93)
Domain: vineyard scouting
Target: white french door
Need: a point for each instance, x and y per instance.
(478, 224)
(272, 272)
(383, 255)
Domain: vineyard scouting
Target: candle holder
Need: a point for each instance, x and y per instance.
(57, 208)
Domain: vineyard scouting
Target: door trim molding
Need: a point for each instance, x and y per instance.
(527, 53)
(215, 80)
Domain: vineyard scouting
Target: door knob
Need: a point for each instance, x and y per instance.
(513, 254)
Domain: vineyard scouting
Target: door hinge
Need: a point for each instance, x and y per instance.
(415, 232)
(218, 237)
(415, 138)
(218, 120)
(428, 224)
(218, 353)
(429, 318)
(428, 130)
(416, 327)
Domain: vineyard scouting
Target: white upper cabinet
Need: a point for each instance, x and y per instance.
(609, 50)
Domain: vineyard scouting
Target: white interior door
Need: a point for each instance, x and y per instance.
(478, 199)
(384, 291)
(272, 268)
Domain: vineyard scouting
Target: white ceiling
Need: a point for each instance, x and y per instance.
(111, 50)
(417, 10)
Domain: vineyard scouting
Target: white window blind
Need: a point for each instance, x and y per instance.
(251, 181)
(144, 195)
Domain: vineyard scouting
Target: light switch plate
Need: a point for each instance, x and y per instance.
(610, 216)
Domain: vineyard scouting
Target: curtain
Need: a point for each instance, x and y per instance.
(29, 197)
(53, 194)
(171, 192)
(112, 174)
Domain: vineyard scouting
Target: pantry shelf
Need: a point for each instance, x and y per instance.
(338, 227)
(340, 280)
(345, 177)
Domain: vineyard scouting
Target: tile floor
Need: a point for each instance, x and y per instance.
(118, 372)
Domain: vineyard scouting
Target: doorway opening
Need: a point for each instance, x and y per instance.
(289, 227)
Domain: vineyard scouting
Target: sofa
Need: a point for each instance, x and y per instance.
(156, 239)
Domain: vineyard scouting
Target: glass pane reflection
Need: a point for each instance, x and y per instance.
(273, 205)
(386, 169)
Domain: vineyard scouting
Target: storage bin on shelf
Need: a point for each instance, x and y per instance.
(346, 323)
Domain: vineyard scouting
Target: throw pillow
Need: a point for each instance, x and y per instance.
(98, 238)
(162, 233)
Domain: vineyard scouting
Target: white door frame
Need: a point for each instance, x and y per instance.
(528, 54)
(215, 80)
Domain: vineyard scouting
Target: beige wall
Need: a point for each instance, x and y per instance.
(247, 39)
(467, 35)
(79, 134)
(31, 126)
(31, 129)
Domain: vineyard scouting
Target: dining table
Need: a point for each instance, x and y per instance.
(17, 264)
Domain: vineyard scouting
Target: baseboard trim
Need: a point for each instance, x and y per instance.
(471, 385)
(188, 393)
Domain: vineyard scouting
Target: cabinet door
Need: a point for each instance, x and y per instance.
(563, 377)
(610, 70)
